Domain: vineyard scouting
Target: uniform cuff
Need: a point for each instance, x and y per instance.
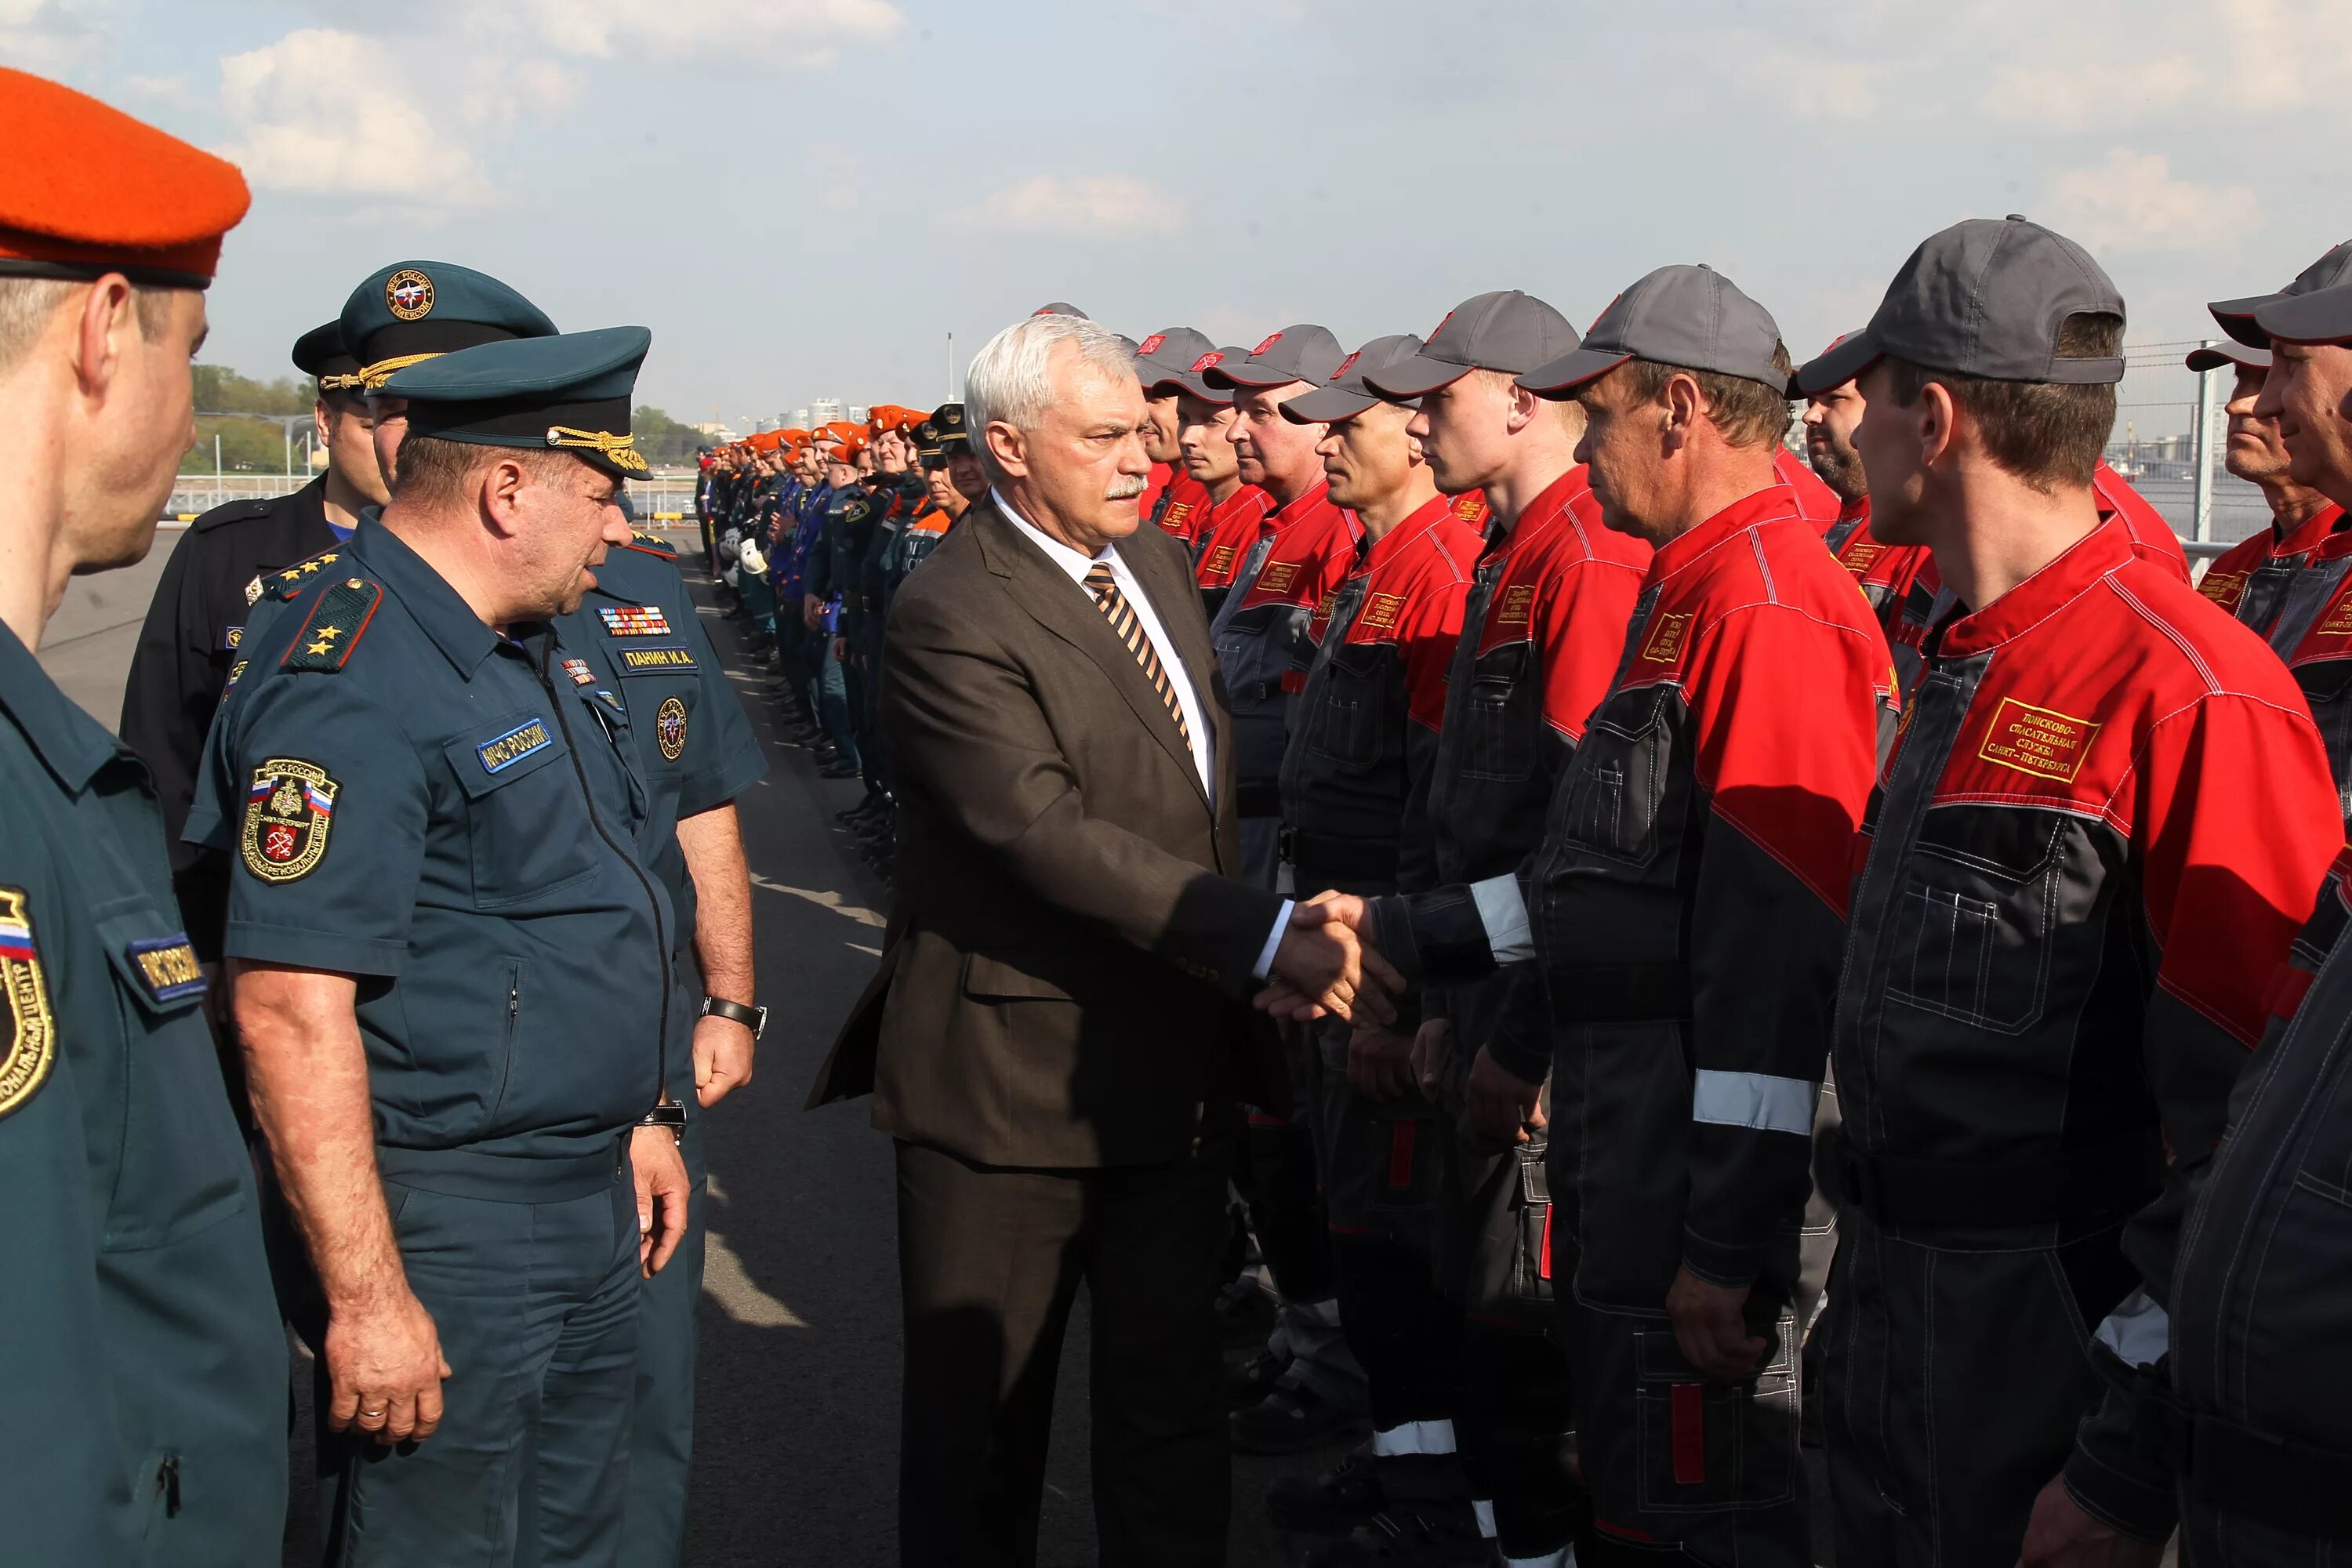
(1265, 966)
(318, 950)
(1721, 1263)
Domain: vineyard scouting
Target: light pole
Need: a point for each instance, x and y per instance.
(2207, 388)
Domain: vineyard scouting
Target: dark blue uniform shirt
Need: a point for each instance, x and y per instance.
(455, 818)
(145, 1395)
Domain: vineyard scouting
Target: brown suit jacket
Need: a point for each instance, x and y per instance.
(1064, 976)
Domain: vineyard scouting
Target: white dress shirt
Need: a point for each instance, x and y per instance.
(1196, 720)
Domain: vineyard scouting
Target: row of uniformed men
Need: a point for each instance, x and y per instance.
(834, 520)
(1644, 814)
(461, 890)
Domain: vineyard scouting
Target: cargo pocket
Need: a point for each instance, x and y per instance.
(1977, 918)
(1609, 802)
(1499, 744)
(1349, 723)
(1708, 1445)
(525, 817)
(1531, 1266)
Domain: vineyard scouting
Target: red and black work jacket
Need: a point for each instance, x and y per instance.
(1685, 909)
(2105, 816)
(1228, 530)
(1884, 571)
(2252, 577)
(1355, 775)
(1303, 550)
(1181, 508)
(1155, 485)
(1540, 633)
(1816, 502)
(2312, 632)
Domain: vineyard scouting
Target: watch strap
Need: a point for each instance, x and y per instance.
(752, 1018)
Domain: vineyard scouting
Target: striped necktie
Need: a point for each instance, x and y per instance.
(1128, 629)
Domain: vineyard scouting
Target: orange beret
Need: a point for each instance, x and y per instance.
(795, 435)
(765, 440)
(842, 430)
(85, 189)
(847, 451)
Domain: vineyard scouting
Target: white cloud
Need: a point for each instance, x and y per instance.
(50, 35)
(793, 32)
(2132, 201)
(2076, 91)
(499, 91)
(1090, 206)
(326, 111)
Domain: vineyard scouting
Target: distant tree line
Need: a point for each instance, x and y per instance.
(259, 446)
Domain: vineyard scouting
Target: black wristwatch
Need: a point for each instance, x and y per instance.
(752, 1018)
(668, 1114)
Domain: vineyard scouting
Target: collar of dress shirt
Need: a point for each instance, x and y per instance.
(1060, 554)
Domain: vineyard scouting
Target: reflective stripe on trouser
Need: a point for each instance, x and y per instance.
(536, 1305)
(1956, 1376)
(661, 1436)
(1380, 1180)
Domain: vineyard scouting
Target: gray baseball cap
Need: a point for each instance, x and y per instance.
(1985, 298)
(1168, 354)
(1192, 378)
(1060, 308)
(1301, 352)
(1347, 393)
(1693, 317)
(2220, 354)
(2237, 316)
(1506, 331)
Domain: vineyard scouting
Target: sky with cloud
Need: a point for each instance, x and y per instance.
(803, 197)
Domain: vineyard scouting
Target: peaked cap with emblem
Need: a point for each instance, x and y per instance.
(86, 190)
(943, 432)
(407, 312)
(569, 393)
(319, 354)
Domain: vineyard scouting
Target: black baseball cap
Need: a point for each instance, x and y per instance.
(1348, 392)
(1691, 317)
(2237, 316)
(1984, 299)
(1505, 330)
(1301, 352)
(320, 352)
(2235, 354)
(1168, 354)
(1194, 378)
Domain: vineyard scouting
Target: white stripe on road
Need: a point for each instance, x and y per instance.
(823, 897)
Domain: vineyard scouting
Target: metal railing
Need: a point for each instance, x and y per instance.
(663, 499)
(2168, 441)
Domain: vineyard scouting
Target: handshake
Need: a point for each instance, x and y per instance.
(1326, 964)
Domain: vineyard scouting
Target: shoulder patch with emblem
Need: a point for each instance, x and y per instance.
(669, 728)
(253, 590)
(287, 584)
(32, 1034)
(634, 620)
(288, 813)
(340, 614)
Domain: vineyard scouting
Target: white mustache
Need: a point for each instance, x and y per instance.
(1127, 487)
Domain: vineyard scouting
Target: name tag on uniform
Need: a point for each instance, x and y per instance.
(661, 657)
(167, 967)
(498, 755)
(635, 620)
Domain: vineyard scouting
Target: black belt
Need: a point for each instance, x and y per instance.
(2113, 1177)
(1257, 797)
(1319, 856)
(2287, 1486)
(1619, 993)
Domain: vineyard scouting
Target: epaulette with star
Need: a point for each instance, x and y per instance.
(337, 620)
(652, 544)
(283, 586)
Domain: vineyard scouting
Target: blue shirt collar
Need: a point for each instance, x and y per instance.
(447, 621)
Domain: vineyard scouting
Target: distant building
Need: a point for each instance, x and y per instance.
(858, 412)
(800, 420)
(823, 411)
(716, 430)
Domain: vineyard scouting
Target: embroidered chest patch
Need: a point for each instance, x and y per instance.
(1380, 612)
(634, 620)
(523, 740)
(1516, 605)
(1664, 644)
(2224, 588)
(167, 966)
(670, 655)
(2038, 741)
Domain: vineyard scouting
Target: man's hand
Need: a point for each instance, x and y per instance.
(812, 612)
(660, 1171)
(1713, 1336)
(841, 650)
(1380, 1063)
(384, 1369)
(1502, 1104)
(722, 1059)
(2059, 1534)
(1428, 1046)
(1320, 965)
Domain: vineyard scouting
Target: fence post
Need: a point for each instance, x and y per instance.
(2205, 397)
